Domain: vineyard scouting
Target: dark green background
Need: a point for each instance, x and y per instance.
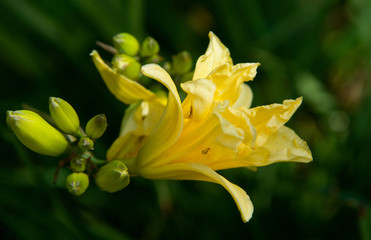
(317, 49)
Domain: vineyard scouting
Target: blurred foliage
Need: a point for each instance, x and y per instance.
(318, 49)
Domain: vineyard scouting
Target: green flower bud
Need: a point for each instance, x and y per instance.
(126, 43)
(153, 59)
(182, 63)
(126, 66)
(86, 143)
(149, 47)
(78, 164)
(35, 133)
(77, 183)
(167, 66)
(64, 116)
(187, 77)
(112, 177)
(96, 126)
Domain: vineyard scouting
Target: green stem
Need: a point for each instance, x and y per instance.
(97, 161)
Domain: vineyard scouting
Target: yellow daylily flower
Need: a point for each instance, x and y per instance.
(214, 128)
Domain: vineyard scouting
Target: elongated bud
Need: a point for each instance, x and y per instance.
(35, 133)
(126, 43)
(78, 164)
(182, 63)
(86, 143)
(96, 126)
(112, 177)
(77, 183)
(64, 116)
(149, 47)
(126, 66)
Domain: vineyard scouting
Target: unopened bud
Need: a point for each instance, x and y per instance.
(35, 133)
(78, 164)
(77, 183)
(86, 143)
(112, 177)
(167, 66)
(64, 116)
(149, 47)
(96, 126)
(126, 43)
(182, 63)
(187, 77)
(153, 59)
(126, 66)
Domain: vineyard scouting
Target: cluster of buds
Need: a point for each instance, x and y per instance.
(67, 138)
(130, 55)
(63, 135)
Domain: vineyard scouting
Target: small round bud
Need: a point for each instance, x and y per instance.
(112, 177)
(64, 116)
(126, 66)
(77, 183)
(149, 47)
(86, 143)
(96, 126)
(126, 43)
(36, 134)
(78, 164)
(182, 63)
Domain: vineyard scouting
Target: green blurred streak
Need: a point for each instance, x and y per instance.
(19, 52)
(365, 224)
(35, 18)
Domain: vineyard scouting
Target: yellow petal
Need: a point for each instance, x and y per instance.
(195, 171)
(131, 134)
(131, 121)
(237, 121)
(216, 55)
(214, 141)
(200, 96)
(230, 136)
(139, 121)
(283, 146)
(228, 79)
(142, 117)
(191, 145)
(244, 97)
(268, 119)
(123, 88)
(125, 146)
(170, 126)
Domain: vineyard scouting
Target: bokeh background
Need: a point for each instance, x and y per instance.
(317, 49)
